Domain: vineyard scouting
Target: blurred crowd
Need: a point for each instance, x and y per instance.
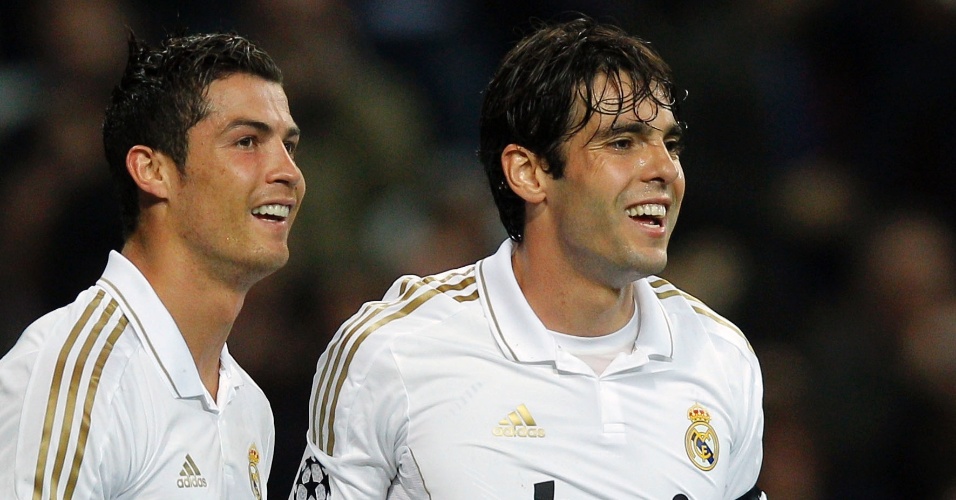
(820, 214)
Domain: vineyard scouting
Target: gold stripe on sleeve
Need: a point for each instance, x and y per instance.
(405, 311)
(149, 342)
(659, 282)
(328, 364)
(55, 394)
(370, 310)
(667, 294)
(699, 307)
(88, 405)
(326, 387)
(720, 319)
(66, 427)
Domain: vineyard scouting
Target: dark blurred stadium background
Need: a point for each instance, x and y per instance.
(821, 167)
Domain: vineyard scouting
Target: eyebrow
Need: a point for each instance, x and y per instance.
(636, 127)
(263, 127)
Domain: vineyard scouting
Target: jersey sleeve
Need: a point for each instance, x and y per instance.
(16, 480)
(747, 452)
(358, 416)
(745, 383)
(60, 400)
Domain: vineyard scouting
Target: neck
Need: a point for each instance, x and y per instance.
(567, 301)
(203, 307)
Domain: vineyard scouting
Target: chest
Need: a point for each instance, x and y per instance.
(529, 429)
(199, 454)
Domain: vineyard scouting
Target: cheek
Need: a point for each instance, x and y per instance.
(300, 187)
(680, 184)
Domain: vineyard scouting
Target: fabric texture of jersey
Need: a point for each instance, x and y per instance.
(101, 399)
(450, 387)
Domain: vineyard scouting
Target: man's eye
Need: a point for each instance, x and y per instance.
(246, 142)
(621, 143)
(290, 148)
(675, 148)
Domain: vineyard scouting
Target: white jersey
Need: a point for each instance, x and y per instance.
(452, 388)
(101, 399)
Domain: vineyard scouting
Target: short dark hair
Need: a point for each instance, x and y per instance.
(162, 94)
(531, 99)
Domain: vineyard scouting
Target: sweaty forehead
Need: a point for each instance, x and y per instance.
(617, 93)
(607, 100)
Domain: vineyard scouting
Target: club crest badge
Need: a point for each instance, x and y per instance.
(254, 480)
(701, 440)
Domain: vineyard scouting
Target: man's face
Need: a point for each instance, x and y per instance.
(617, 204)
(241, 190)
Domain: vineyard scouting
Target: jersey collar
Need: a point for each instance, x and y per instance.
(522, 336)
(157, 329)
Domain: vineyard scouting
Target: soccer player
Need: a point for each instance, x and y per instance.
(130, 391)
(560, 366)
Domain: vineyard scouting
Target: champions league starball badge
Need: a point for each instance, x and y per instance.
(311, 483)
(701, 440)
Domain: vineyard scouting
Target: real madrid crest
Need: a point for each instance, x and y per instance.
(701, 440)
(254, 472)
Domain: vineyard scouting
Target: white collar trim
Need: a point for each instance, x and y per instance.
(522, 336)
(158, 331)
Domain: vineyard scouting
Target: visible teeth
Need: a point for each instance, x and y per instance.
(281, 211)
(651, 209)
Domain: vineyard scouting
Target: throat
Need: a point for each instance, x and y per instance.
(598, 352)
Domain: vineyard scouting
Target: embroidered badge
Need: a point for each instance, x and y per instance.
(254, 472)
(701, 440)
(311, 483)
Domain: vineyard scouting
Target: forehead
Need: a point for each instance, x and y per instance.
(608, 102)
(245, 94)
(611, 93)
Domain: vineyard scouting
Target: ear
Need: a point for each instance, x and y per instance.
(524, 172)
(151, 170)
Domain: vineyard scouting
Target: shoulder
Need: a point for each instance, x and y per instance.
(85, 338)
(451, 287)
(77, 358)
(255, 407)
(714, 348)
(253, 397)
(691, 310)
(68, 381)
(360, 356)
(412, 304)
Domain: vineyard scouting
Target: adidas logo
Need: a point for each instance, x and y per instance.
(518, 423)
(190, 477)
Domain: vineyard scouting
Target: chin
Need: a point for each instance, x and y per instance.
(278, 262)
(649, 261)
(268, 262)
(652, 269)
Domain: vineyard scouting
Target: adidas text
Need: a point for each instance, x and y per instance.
(191, 482)
(508, 431)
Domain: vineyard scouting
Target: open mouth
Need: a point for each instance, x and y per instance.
(651, 213)
(274, 212)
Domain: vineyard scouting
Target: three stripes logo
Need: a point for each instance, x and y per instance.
(69, 412)
(190, 477)
(518, 423)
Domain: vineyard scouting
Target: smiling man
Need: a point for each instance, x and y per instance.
(560, 366)
(130, 391)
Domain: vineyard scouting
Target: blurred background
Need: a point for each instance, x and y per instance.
(819, 216)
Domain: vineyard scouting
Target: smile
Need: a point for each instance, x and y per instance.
(652, 213)
(273, 212)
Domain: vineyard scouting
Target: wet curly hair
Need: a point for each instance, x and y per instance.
(531, 98)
